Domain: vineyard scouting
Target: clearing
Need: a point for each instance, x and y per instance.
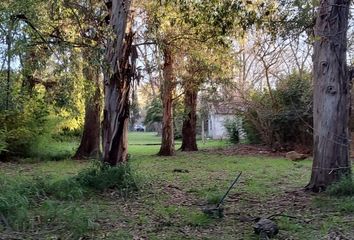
(169, 203)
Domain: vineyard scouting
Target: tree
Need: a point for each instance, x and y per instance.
(90, 140)
(168, 86)
(331, 95)
(189, 128)
(175, 25)
(87, 16)
(120, 57)
(203, 63)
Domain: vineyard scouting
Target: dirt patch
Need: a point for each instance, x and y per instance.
(255, 150)
(245, 149)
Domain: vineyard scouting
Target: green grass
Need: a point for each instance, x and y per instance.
(168, 204)
(141, 141)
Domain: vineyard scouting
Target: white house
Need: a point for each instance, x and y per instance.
(218, 115)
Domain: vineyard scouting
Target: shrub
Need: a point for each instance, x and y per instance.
(251, 132)
(22, 125)
(67, 134)
(154, 112)
(344, 187)
(101, 177)
(3, 143)
(233, 128)
(283, 120)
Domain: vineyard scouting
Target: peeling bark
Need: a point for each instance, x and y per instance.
(117, 85)
(331, 96)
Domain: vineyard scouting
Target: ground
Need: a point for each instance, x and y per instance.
(174, 190)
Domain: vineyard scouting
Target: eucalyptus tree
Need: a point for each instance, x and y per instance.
(175, 25)
(332, 83)
(203, 64)
(88, 21)
(120, 61)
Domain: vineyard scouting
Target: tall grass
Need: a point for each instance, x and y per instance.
(22, 195)
(344, 187)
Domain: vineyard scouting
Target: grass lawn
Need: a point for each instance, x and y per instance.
(172, 193)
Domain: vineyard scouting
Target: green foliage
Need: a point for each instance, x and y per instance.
(154, 112)
(17, 195)
(252, 134)
(233, 128)
(65, 189)
(3, 143)
(178, 117)
(101, 177)
(134, 109)
(284, 120)
(297, 16)
(22, 125)
(344, 187)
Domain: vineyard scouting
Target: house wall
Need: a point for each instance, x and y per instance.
(216, 129)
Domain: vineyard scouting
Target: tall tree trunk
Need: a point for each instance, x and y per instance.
(90, 140)
(167, 144)
(189, 128)
(331, 96)
(117, 85)
(8, 60)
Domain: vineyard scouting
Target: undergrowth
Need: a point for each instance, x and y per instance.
(344, 187)
(22, 195)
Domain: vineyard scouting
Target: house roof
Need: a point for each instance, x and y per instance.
(223, 108)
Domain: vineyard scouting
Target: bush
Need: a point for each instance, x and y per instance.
(284, 119)
(233, 128)
(101, 177)
(252, 135)
(67, 134)
(344, 187)
(3, 143)
(22, 125)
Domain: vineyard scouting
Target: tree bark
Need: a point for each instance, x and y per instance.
(90, 140)
(8, 60)
(167, 144)
(331, 96)
(117, 85)
(189, 128)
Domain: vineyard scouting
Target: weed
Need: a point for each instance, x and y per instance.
(347, 205)
(214, 197)
(196, 219)
(75, 219)
(344, 187)
(101, 177)
(66, 189)
(17, 195)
